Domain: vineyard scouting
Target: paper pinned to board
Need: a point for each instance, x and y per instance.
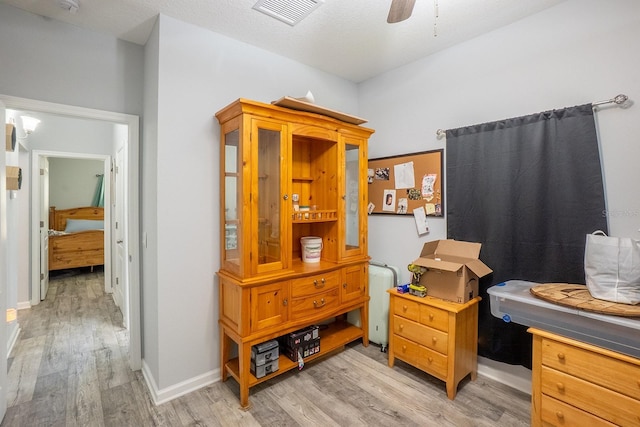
(404, 175)
(420, 216)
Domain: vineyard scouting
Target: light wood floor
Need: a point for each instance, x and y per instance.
(69, 368)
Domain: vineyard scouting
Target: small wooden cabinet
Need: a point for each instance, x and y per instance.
(579, 384)
(272, 161)
(436, 336)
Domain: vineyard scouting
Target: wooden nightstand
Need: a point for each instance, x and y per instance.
(437, 336)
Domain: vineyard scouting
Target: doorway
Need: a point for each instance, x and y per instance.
(42, 166)
(130, 231)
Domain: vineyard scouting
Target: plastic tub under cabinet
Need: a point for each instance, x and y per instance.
(512, 301)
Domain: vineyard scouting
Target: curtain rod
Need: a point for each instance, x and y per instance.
(618, 99)
(99, 174)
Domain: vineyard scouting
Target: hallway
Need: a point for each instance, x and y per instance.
(69, 365)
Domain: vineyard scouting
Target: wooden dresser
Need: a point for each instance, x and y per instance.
(579, 384)
(437, 336)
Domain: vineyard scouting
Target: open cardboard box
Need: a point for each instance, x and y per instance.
(14, 178)
(453, 269)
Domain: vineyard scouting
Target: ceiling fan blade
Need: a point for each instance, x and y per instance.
(400, 10)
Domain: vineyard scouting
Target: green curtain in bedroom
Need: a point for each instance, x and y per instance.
(98, 197)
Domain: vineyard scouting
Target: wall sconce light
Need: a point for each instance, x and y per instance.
(29, 124)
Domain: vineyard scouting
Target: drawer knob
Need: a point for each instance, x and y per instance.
(320, 284)
(401, 326)
(560, 386)
(434, 340)
(285, 301)
(559, 415)
(560, 356)
(430, 359)
(317, 304)
(404, 308)
(404, 348)
(431, 316)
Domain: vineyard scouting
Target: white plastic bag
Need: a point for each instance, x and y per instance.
(612, 268)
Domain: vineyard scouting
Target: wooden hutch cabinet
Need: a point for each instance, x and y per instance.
(272, 159)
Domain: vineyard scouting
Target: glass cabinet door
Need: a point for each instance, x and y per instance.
(232, 202)
(269, 191)
(354, 194)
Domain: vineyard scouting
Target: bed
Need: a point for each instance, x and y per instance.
(76, 237)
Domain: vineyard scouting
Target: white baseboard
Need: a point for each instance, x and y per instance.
(169, 393)
(514, 376)
(23, 305)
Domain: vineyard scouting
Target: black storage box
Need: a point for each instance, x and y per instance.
(304, 341)
(305, 349)
(302, 336)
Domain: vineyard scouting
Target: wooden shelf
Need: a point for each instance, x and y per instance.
(337, 335)
(306, 217)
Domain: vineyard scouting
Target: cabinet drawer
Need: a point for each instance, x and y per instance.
(407, 309)
(312, 285)
(421, 357)
(424, 335)
(602, 402)
(314, 305)
(557, 413)
(434, 317)
(611, 373)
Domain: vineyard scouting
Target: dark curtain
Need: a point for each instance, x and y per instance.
(529, 189)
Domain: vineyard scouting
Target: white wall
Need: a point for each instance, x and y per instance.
(72, 135)
(13, 221)
(577, 52)
(48, 60)
(73, 182)
(200, 72)
(148, 211)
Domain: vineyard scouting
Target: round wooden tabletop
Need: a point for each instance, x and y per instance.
(578, 296)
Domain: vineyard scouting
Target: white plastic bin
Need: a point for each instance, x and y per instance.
(512, 301)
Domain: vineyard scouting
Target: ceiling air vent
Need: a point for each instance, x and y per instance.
(288, 11)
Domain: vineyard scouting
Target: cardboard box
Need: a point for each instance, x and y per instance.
(453, 269)
(10, 131)
(14, 178)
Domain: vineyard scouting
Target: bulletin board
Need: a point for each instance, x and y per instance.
(399, 184)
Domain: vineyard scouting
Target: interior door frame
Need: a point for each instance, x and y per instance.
(43, 187)
(133, 213)
(4, 264)
(36, 201)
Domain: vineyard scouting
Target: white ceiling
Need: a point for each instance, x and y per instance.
(348, 38)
